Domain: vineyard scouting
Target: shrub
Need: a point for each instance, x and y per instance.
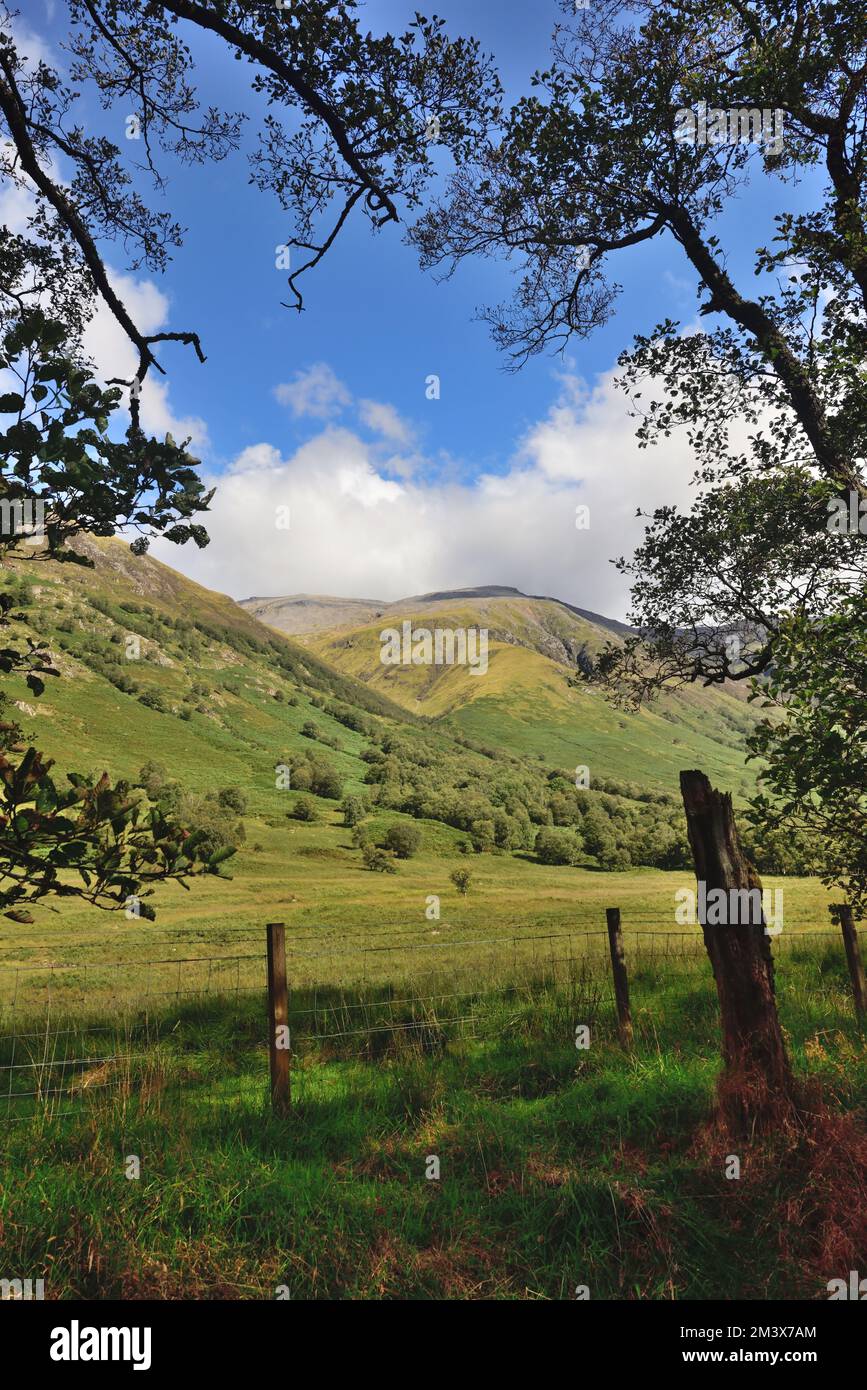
(353, 810)
(169, 797)
(377, 860)
(154, 700)
(309, 729)
(233, 799)
(556, 846)
(403, 839)
(325, 781)
(301, 776)
(461, 878)
(212, 826)
(482, 832)
(153, 777)
(305, 809)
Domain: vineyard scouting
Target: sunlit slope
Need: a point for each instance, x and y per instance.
(232, 696)
(533, 701)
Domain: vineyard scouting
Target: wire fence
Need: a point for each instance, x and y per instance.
(137, 1027)
(143, 1027)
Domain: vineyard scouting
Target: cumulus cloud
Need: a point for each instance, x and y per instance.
(383, 419)
(316, 392)
(356, 532)
(114, 356)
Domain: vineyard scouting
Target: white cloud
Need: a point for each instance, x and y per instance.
(384, 420)
(31, 47)
(316, 392)
(356, 532)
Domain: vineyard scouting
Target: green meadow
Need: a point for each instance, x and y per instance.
(558, 1167)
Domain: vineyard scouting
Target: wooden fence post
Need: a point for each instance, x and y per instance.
(278, 1018)
(757, 1090)
(843, 913)
(621, 980)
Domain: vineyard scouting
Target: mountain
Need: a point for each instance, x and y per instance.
(208, 693)
(532, 700)
(302, 613)
(222, 696)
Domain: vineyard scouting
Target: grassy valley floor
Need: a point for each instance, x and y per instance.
(559, 1166)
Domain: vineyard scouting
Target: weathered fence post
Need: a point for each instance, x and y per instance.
(278, 1018)
(621, 980)
(843, 913)
(757, 1090)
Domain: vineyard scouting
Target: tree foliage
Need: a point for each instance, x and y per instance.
(813, 743)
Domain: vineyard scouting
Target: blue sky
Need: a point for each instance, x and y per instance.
(390, 493)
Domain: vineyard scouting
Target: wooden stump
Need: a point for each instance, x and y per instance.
(756, 1090)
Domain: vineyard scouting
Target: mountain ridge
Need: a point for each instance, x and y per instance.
(287, 612)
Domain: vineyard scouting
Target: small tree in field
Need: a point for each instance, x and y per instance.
(377, 860)
(233, 799)
(305, 810)
(461, 878)
(353, 810)
(403, 839)
(555, 845)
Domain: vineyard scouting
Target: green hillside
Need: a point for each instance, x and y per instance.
(533, 702)
(218, 687)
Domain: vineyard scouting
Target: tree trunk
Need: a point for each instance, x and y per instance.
(756, 1089)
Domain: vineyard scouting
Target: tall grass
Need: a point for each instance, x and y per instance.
(559, 1167)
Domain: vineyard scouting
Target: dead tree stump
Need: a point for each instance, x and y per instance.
(756, 1089)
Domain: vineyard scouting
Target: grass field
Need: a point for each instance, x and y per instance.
(311, 878)
(558, 1167)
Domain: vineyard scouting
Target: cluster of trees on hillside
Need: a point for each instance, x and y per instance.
(214, 819)
(309, 771)
(506, 804)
